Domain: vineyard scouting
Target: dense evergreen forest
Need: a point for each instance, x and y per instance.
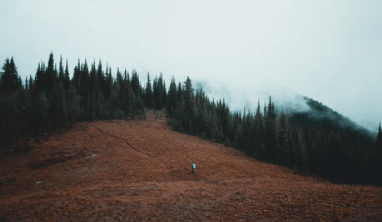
(52, 99)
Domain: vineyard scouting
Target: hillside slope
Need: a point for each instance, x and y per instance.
(141, 171)
(324, 117)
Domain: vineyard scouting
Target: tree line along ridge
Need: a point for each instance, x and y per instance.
(52, 98)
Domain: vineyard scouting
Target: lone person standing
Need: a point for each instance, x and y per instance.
(193, 167)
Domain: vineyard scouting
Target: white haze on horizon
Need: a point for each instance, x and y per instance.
(327, 50)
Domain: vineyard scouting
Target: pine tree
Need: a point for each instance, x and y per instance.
(270, 131)
(77, 76)
(39, 77)
(335, 151)
(149, 93)
(10, 81)
(179, 93)
(101, 77)
(179, 109)
(58, 110)
(85, 88)
(119, 76)
(156, 97)
(302, 157)
(30, 82)
(14, 73)
(258, 133)
(378, 142)
(172, 100)
(226, 122)
(379, 137)
(198, 114)
(125, 96)
(214, 131)
(94, 91)
(109, 87)
(66, 77)
(188, 101)
(26, 82)
(135, 83)
(50, 75)
(282, 149)
(61, 71)
(159, 92)
(318, 152)
(164, 92)
(19, 83)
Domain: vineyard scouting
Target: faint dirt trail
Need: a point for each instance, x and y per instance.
(210, 181)
(133, 170)
(127, 143)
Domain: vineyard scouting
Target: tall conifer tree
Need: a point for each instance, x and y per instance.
(149, 93)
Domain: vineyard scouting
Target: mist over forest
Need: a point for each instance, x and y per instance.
(310, 138)
(240, 97)
(106, 105)
(247, 96)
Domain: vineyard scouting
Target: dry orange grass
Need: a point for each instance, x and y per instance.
(90, 173)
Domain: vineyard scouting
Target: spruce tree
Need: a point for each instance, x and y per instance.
(379, 135)
(188, 101)
(66, 77)
(135, 83)
(270, 131)
(61, 71)
(149, 93)
(101, 77)
(258, 133)
(179, 93)
(109, 85)
(77, 76)
(84, 88)
(119, 77)
(301, 154)
(26, 82)
(172, 100)
(282, 150)
(378, 142)
(163, 91)
(50, 74)
(10, 81)
(39, 77)
(94, 91)
(124, 96)
(30, 82)
(156, 95)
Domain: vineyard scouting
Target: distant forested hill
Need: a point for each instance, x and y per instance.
(324, 117)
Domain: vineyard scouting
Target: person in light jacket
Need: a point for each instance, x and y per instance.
(193, 167)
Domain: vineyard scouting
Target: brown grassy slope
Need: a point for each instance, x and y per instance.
(152, 181)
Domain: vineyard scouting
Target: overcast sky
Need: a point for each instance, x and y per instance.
(328, 50)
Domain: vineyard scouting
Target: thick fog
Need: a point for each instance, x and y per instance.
(327, 50)
(239, 97)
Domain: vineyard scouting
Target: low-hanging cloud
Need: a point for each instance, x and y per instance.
(327, 50)
(247, 96)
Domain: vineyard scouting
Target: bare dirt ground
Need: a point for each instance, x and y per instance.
(90, 173)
